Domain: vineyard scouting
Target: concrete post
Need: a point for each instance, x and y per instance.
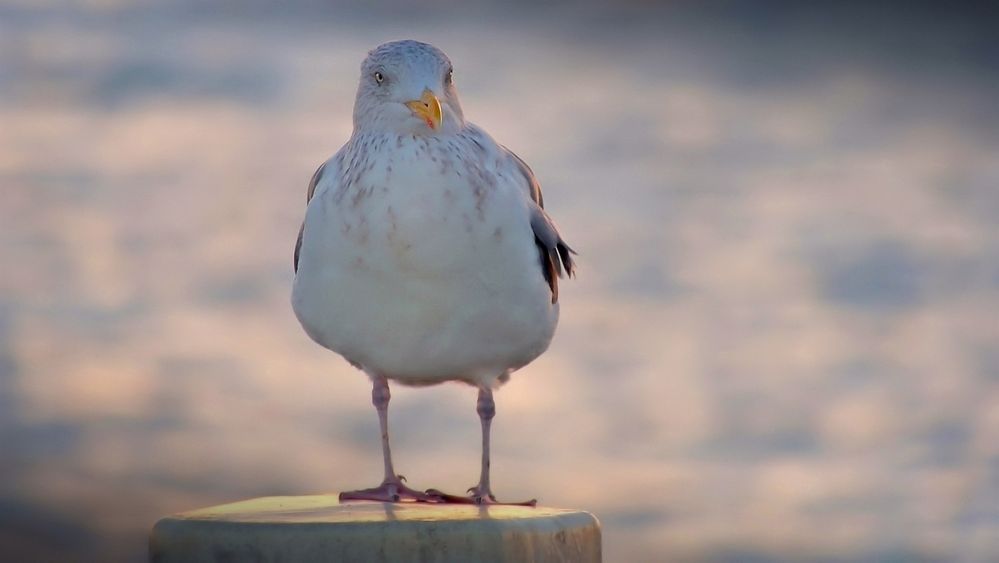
(319, 529)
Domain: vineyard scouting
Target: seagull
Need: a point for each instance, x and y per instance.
(426, 255)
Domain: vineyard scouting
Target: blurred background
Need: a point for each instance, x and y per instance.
(783, 342)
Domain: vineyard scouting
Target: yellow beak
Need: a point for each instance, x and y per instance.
(427, 108)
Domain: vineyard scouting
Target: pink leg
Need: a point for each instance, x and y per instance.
(392, 489)
(481, 493)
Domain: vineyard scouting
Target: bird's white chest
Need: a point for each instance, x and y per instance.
(417, 210)
(422, 264)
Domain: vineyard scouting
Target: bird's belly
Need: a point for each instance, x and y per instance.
(436, 282)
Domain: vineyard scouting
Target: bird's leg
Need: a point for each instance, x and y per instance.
(392, 488)
(486, 408)
(482, 493)
(380, 397)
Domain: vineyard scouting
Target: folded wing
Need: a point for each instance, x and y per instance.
(316, 177)
(554, 253)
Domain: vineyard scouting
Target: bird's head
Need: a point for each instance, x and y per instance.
(407, 87)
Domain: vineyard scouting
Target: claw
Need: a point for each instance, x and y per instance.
(389, 491)
(475, 498)
(480, 498)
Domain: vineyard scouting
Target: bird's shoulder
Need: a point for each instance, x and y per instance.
(322, 178)
(327, 173)
(508, 160)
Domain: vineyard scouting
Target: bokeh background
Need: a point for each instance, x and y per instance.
(783, 342)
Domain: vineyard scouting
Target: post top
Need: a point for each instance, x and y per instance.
(328, 509)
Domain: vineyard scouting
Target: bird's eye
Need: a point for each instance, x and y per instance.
(379, 77)
(449, 78)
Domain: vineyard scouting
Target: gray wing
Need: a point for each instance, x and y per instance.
(308, 197)
(554, 253)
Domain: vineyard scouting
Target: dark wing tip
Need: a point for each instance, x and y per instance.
(550, 268)
(554, 253)
(565, 253)
(298, 245)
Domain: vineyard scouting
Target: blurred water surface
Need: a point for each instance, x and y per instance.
(783, 340)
